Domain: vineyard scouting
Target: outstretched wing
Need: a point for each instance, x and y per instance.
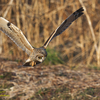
(16, 35)
(65, 24)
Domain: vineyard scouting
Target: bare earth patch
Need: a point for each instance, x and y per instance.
(48, 82)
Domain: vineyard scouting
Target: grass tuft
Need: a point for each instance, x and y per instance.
(53, 57)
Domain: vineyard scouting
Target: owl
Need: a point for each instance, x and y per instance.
(36, 55)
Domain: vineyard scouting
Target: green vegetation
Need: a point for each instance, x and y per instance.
(94, 67)
(88, 94)
(53, 57)
(61, 93)
(7, 75)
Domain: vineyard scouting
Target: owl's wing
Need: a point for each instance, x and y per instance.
(16, 35)
(65, 24)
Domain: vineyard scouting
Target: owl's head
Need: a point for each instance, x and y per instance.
(37, 56)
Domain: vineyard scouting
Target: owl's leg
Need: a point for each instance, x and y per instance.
(33, 63)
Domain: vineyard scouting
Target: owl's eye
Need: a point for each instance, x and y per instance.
(39, 57)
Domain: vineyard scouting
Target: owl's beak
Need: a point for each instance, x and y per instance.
(29, 63)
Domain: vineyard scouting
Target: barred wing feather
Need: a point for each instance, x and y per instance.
(16, 35)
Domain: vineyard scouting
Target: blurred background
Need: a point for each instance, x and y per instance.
(64, 74)
(80, 43)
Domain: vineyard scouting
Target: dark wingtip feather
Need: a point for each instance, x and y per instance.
(78, 12)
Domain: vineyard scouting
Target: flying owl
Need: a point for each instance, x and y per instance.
(36, 55)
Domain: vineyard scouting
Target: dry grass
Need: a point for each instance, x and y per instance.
(57, 82)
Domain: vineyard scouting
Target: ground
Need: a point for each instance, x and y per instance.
(52, 82)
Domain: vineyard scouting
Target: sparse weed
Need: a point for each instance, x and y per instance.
(94, 67)
(52, 94)
(53, 57)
